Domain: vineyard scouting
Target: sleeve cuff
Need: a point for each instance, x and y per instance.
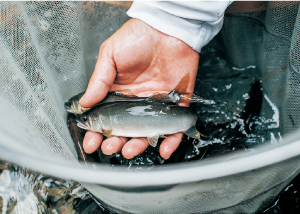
(195, 33)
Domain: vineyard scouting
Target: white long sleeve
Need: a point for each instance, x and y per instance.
(195, 23)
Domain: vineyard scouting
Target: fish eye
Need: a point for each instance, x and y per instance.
(84, 118)
(68, 103)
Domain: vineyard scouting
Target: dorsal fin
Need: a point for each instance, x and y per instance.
(183, 84)
(124, 92)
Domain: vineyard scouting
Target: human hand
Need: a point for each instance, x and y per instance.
(140, 58)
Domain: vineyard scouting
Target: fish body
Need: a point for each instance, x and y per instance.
(73, 106)
(139, 119)
(178, 94)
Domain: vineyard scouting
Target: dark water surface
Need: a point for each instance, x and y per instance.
(235, 116)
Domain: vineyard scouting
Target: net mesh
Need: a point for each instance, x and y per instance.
(242, 193)
(48, 52)
(34, 79)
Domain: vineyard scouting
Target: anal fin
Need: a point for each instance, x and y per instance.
(192, 132)
(152, 139)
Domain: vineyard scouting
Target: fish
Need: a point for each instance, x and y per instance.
(178, 94)
(73, 106)
(139, 119)
(77, 135)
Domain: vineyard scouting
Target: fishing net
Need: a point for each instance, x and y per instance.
(48, 52)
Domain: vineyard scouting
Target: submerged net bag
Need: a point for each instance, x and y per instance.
(48, 52)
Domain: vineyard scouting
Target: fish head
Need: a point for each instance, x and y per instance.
(73, 106)
(89, 121)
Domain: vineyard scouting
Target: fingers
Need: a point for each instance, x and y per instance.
(169, 145)
(92, 141)
(134, 147)
(184, 104)
(102, 78)
(113, 145)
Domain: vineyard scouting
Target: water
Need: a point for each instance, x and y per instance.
(24, 191)
(235, 116)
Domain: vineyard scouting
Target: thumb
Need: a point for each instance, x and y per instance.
(102, 79)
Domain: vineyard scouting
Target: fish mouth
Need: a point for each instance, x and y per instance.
(81, 125)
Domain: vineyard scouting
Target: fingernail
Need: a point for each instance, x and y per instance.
(80, 99)
(107, 153)
(82, 109)
(167, 158)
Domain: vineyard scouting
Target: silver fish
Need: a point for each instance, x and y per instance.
(73, 106)
(139, 119)
(178, 94)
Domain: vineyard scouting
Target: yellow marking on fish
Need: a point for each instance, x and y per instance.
(107, 132)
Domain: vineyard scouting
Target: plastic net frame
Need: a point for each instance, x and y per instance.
(48, 52)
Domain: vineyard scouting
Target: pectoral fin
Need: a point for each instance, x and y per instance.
(107, 132)
(192, 132)
(152, 139)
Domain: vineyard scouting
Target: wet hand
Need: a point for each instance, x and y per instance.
(142, 59)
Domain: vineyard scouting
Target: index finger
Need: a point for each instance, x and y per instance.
(102, 79)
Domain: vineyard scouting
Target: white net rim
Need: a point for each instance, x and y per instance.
(159, 175)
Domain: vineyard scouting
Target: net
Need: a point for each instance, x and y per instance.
(48, 52)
